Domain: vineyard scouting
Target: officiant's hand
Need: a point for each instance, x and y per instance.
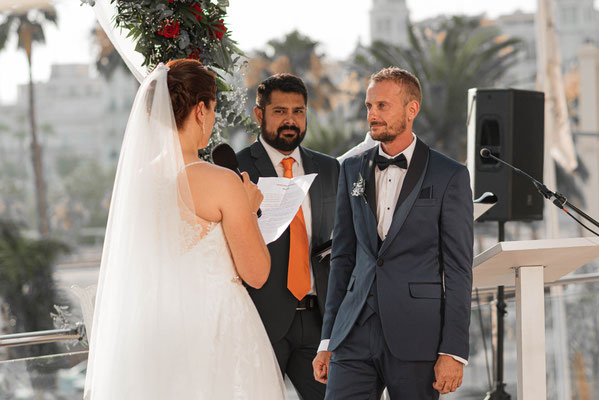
(448, 374)
(254, 194)
(321, 366)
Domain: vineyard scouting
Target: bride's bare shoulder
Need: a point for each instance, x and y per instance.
(212, 178)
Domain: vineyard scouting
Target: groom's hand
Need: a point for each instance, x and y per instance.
(448, 374)
(321, 366)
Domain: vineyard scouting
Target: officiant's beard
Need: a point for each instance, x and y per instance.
(280, 142)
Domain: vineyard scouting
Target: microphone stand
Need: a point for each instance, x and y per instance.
(560, 200)
(499, 393)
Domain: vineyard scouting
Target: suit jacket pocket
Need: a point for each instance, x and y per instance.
(426, 290)
(350, 285)
(425, 202)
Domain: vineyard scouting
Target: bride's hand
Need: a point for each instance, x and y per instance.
(254, 194)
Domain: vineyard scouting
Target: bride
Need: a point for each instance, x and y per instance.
(172, 318)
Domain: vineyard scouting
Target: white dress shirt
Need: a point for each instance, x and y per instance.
(298, 170)
(388, 187)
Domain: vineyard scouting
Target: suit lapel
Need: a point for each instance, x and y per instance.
(262, 160)
(315, 193)
(409, 191)
(367, 172)
(369, 210)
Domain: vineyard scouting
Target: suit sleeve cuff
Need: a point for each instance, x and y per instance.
(460, 359)
(324, 345)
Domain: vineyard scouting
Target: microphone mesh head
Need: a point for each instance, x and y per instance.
(224, 156)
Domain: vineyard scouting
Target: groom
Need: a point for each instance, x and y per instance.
(398, 305)
(291, 302)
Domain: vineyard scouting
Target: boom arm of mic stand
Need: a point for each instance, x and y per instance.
(560, 200)
(548, 194)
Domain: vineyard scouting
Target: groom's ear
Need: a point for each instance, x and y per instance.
(258, 112)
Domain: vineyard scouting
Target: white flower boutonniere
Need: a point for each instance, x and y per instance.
(359, 188)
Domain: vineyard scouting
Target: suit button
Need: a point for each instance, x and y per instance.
(379, 262)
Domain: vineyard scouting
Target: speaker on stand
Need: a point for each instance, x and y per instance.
(510, 124)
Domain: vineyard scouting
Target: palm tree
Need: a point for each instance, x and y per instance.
(459, 54)
(296, 54)
(29, 28)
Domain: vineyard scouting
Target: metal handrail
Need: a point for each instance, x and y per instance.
(40, 337)
(580, 278)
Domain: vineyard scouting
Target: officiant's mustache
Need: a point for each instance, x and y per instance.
(288, 128)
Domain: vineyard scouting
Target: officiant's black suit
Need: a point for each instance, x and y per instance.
(275, 303)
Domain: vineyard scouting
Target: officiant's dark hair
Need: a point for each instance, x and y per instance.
(189, 83)
(287, 83)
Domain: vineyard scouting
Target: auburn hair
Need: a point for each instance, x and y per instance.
(189, 83)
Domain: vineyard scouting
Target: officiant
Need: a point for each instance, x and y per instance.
(291, 303)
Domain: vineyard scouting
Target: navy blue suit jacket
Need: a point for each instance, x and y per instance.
(423, 269)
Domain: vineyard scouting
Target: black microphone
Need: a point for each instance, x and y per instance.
(223, 155)
(485, 153)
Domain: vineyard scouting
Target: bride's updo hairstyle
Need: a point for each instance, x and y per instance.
(189, 83)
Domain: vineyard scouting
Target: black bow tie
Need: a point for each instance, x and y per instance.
(384, 162)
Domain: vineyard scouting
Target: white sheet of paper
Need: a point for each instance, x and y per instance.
(282, 198)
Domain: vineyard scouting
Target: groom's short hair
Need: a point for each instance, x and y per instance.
(405, 79)
(284, 82)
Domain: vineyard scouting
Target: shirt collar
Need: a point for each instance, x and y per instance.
(276, 156)
(408, 152)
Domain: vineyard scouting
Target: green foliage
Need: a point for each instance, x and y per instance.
(27, 287)
(297, 48)
(332, 133)
(457, 55)
(28, 25)
(166, 30)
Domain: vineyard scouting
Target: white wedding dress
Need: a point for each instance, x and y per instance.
(172, 319)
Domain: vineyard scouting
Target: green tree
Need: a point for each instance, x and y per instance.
(29, 29)
(296, 54)
(332, 133)
(27, 288)
(459, 54)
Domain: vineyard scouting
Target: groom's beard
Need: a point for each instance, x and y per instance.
(278, 140)
(389, 132)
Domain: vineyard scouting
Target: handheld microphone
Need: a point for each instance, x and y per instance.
(223, 155)
(485, 153)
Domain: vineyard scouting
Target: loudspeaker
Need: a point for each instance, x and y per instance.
(510, 123)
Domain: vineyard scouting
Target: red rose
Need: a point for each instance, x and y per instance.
(195, 55)
(221, 30)
(171, 1)
(197, 7)
(170, 29)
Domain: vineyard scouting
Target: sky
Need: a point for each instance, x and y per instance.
(337, 24)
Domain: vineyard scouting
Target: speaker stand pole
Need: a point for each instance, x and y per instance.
(499, 392)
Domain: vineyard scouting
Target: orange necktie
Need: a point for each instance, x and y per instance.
(298, 274)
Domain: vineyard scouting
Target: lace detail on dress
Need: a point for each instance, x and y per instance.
(193, 232)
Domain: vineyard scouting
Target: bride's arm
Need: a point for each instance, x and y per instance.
(240, 223)
(219, 195)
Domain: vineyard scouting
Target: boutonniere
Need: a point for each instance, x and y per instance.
(359, 188)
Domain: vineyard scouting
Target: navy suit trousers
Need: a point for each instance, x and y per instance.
(364, 360)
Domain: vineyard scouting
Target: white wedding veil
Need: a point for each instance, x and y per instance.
(136, 333)
(105, 13)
